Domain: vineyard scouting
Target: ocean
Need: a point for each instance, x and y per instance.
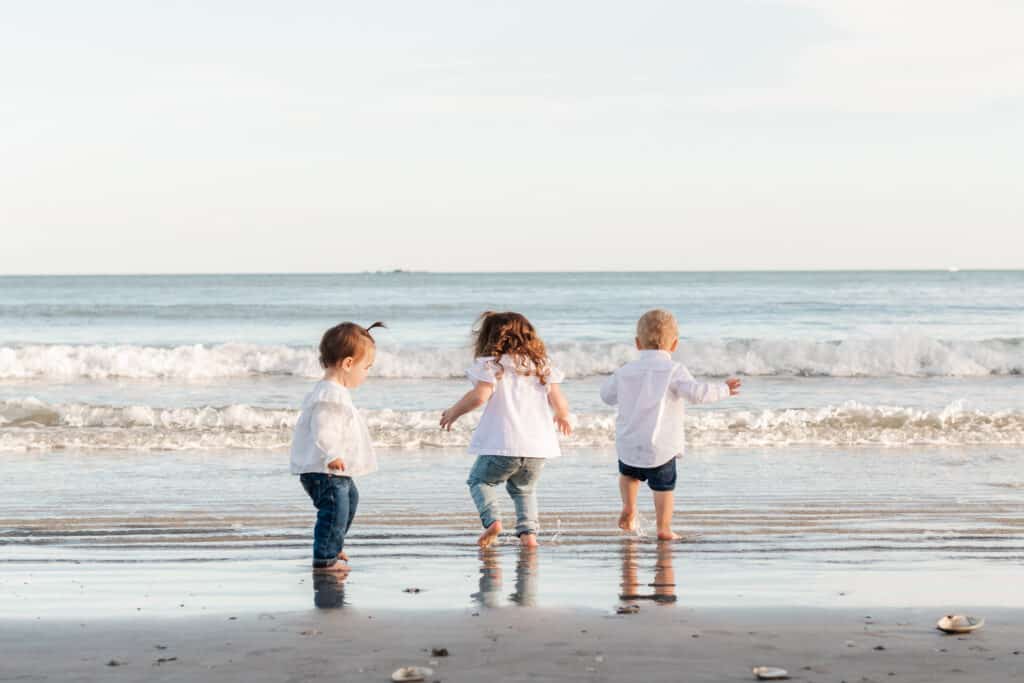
(145, 421)
(221, 361)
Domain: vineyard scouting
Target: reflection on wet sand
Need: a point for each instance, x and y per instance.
(526, 578)
(329, 590)
(664, 583)
(490, 593)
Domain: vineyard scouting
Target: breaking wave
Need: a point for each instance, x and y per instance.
(30, 424)
(904, 355)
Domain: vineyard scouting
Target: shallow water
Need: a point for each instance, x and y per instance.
(111, 534)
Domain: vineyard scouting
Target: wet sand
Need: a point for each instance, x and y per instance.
(514, 644)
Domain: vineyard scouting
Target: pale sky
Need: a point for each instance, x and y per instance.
(142, 137)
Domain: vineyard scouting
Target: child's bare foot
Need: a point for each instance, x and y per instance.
(336, 568)
(342, 556)
(668, 535)
(627, 520)
(490, 535)
(528, 540)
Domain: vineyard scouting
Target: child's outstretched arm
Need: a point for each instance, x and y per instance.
(561, 407)
(474, 398)
(703, 392)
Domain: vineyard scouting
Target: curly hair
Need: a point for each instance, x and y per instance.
(511, 333)
(344, 340)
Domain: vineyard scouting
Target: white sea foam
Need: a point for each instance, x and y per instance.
(909, 354)
(33, 425)
(194, 362)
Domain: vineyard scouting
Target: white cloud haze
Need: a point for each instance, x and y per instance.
(323, 136)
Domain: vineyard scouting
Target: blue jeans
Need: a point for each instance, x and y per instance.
(336, 499)
(519, 475)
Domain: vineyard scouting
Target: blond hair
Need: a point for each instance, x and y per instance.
(657, 329)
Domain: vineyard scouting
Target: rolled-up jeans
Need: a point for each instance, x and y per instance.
(336, 499)
(520, 477)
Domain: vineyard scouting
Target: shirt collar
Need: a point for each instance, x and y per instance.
(651, 354)
(337, 386)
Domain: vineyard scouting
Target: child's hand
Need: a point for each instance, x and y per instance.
(734, 385)
(563, 425)
(337, 464)
(448, 418)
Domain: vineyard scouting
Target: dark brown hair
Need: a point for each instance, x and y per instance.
(511, 333)
(344, 340)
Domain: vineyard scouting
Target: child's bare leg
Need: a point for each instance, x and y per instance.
(528, 540)
(628, 488)
(664, 502)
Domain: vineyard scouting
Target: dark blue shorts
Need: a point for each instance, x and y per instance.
(661, 478)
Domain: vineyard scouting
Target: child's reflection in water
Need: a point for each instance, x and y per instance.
(329, 590)
(525, 593)
(664, 583)
(489, 594)
(526, 578)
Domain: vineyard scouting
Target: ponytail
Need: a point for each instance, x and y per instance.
(344, 340)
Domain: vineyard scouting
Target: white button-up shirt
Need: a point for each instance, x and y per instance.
(651, 393)
(330, 427)
(518, 420)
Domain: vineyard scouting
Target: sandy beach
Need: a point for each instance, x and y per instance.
(655, 644)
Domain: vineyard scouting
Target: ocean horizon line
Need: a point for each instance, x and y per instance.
(413, 271)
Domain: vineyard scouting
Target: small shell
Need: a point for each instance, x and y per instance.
(959, 623)
(769, 673)
(411, 673)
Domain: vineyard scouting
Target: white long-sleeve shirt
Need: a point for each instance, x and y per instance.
(651, 394)
(330, 427)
